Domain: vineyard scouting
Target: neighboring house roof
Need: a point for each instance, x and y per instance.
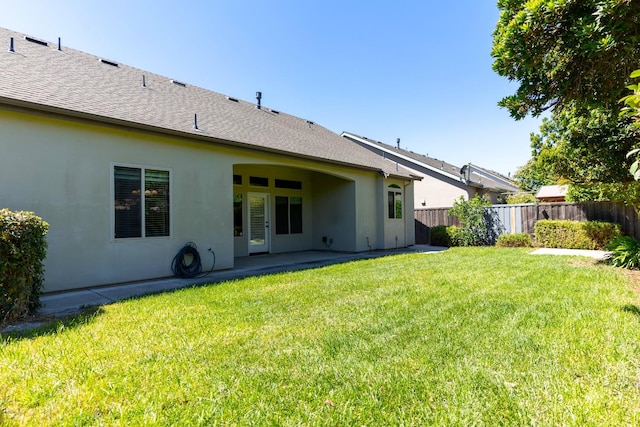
(476, 176)
(37, 75)
(552, 192)
(486, 178)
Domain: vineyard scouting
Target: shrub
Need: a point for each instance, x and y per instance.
(575, 234)
(476, 222)
(625, 252)
(439, 236)
(22, 251)
(518, 240)
(521, 198)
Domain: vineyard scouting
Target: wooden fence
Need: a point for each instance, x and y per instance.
(522, 218)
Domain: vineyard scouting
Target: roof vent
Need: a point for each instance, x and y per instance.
(275, 111)
(259, 98)
(176, 82)
(11, 49)
(398, 142)
(195, 122)
(36, 41)
(59, 44)
(144, 81)
(232, 99)
(105, 61)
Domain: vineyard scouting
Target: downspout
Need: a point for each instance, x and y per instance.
(404, 203)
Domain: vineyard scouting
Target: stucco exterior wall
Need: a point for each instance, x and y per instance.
(437, 192)
(61, 169)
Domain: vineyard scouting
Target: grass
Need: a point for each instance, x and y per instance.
(471, 336)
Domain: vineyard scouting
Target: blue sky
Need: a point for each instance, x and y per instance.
(415, 70)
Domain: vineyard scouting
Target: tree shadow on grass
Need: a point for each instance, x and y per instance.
(632, 308)
(39, 326)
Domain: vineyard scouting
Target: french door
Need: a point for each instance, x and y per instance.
(258, 222)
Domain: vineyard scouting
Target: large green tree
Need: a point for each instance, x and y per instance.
(572, 59)
(580, 147)
(566, 53)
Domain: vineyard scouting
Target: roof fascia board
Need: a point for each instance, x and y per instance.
(408, 159)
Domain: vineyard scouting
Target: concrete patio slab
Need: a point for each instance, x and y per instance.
(600, 255)
(70, 302)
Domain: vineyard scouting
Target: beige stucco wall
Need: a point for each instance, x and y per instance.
(61, 170)
(437, 192)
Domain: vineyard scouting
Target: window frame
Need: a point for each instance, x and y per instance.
(112, 203)
(293, 227)
(395, 199)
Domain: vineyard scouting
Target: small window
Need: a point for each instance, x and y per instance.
(237, 215)
(288, 215)
(285, 183)
(258, 181)
(394, 202)
(237, 179)
(141, 202)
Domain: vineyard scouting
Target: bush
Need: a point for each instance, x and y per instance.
(521, 198)
(518, 240)
(625, 252)
(476, 222)
(575, 234)
(22, 251)
(438, 236)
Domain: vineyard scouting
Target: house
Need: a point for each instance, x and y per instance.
(442, 183)
(128, 166)
(552, 193)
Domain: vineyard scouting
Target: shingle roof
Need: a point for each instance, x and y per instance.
(71, 82)
(552, 191)
(440, 166)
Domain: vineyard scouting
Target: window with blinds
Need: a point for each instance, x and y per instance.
(141, 202)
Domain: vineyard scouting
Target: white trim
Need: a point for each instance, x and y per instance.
(409, 159)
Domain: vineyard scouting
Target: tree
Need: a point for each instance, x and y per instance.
(477, 222)
(566, 53)
(632, 109)
(586, 151)
(579, 147)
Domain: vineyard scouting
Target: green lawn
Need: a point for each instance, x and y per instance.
(470, 336)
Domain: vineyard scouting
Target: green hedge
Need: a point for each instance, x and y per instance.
(575, 234)
(518, 240)
(438, 236)
(23, 248)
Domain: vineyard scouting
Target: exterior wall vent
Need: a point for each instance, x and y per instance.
(36, 41)
(113, 64)
(176, 82)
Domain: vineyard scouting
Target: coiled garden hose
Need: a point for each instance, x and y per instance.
(187, 263)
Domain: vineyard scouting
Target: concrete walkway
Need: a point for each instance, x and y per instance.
(69, 302)
(599, 255)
